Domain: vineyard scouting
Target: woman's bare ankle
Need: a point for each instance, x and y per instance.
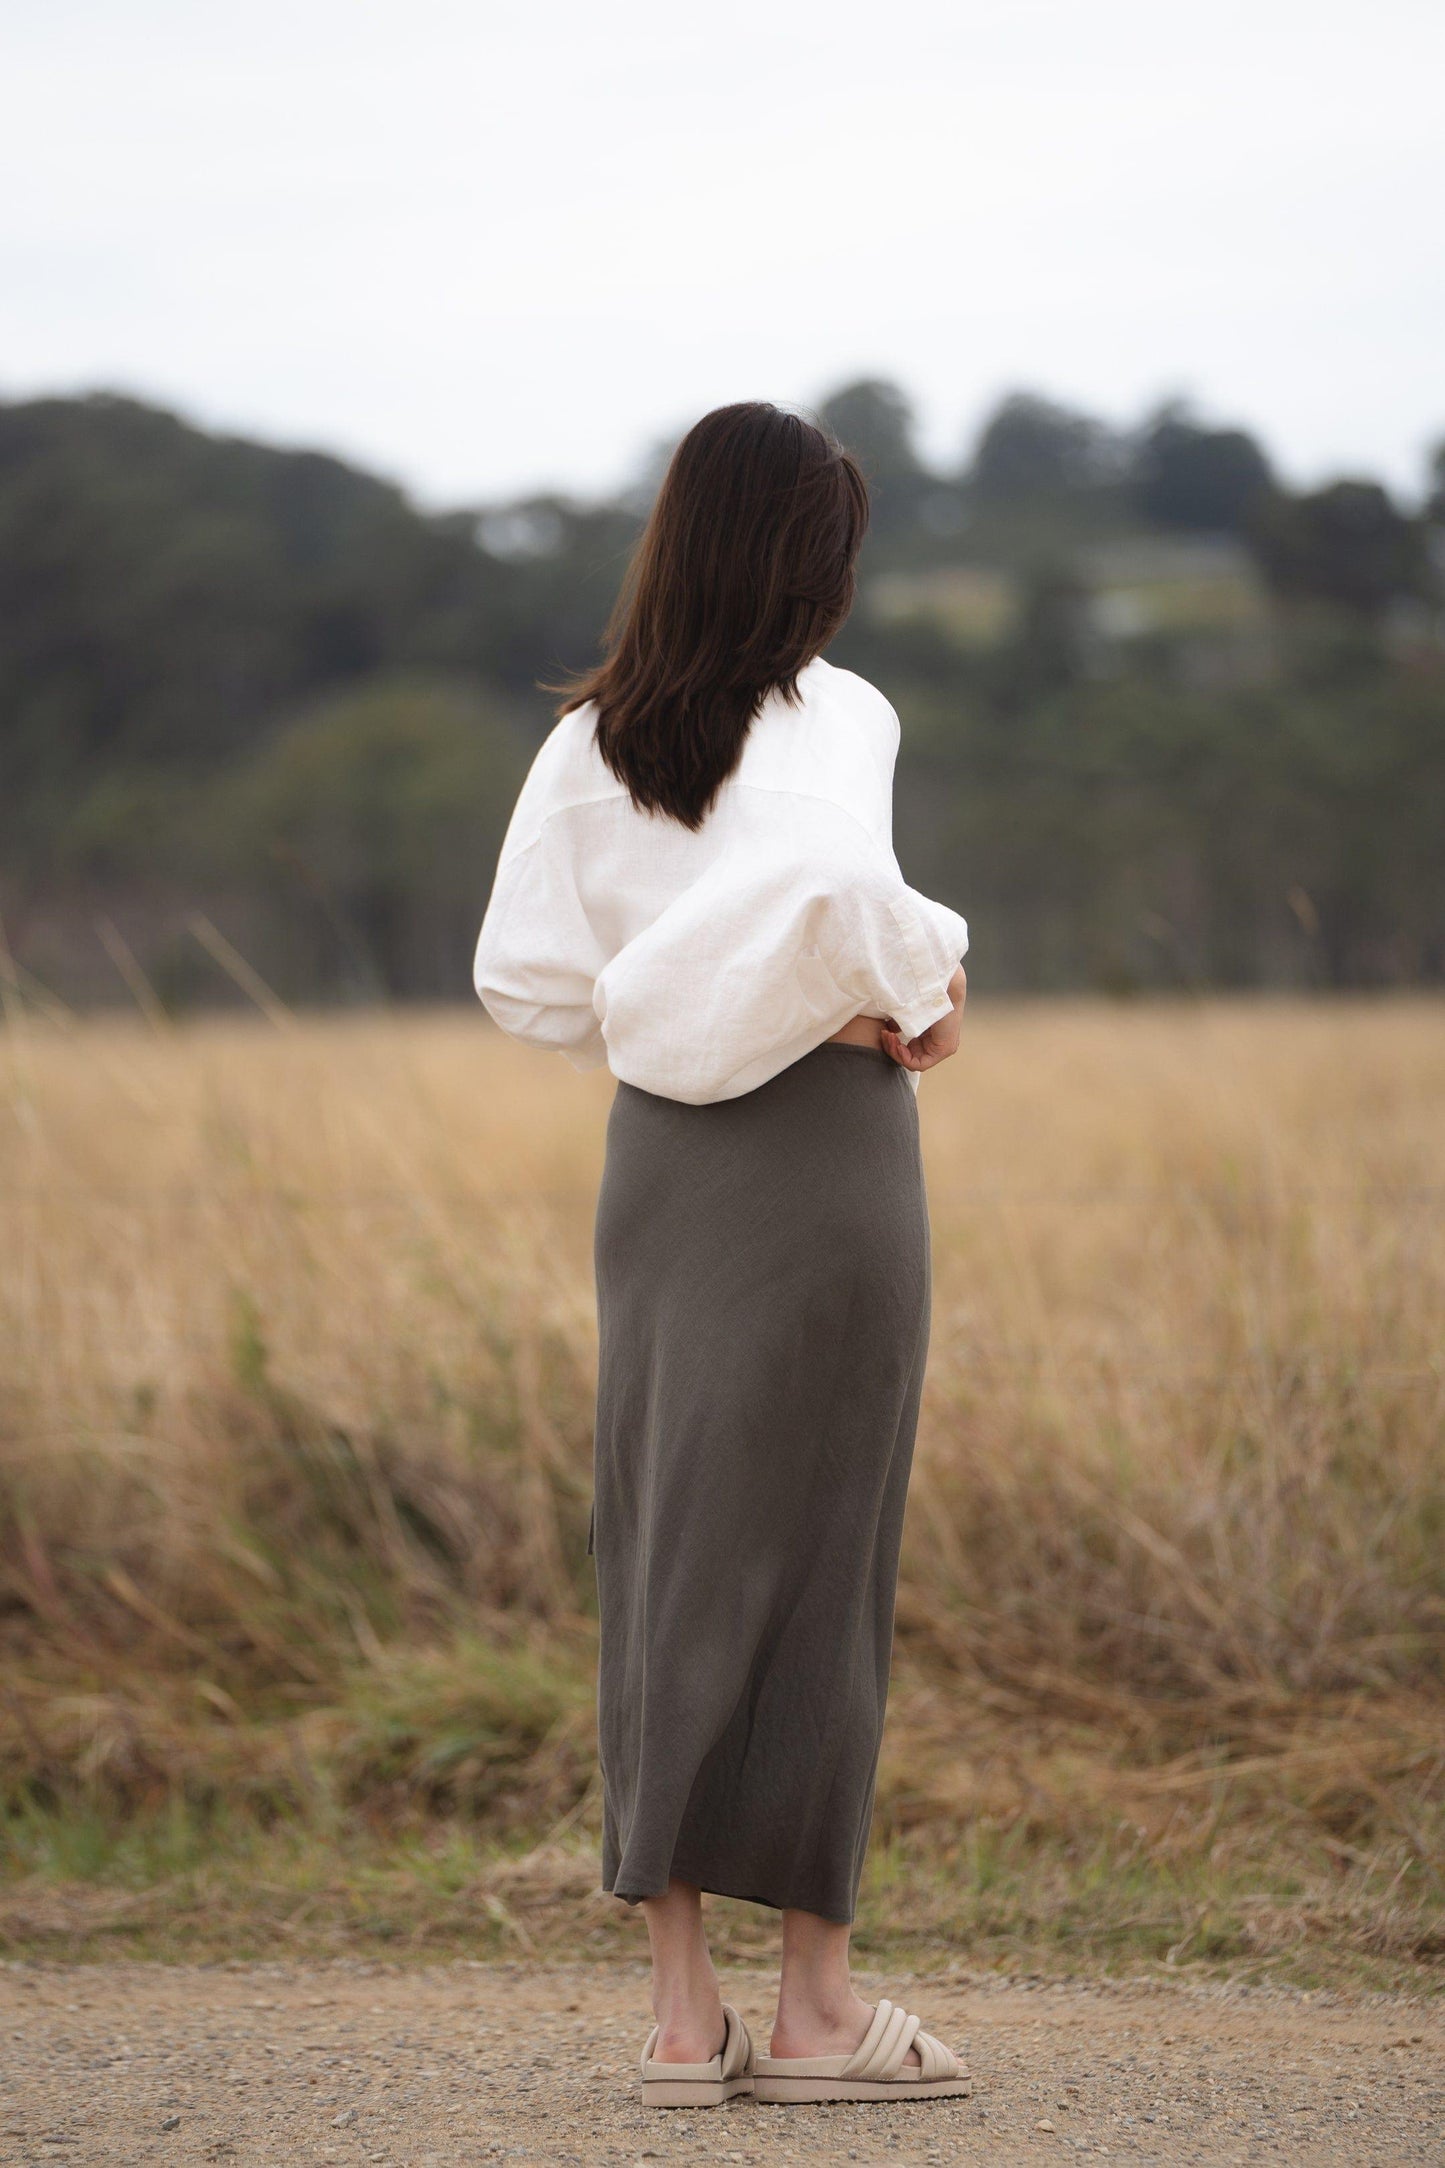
(686, 1999)
(822, 2019)
(689, 2014)
(819, 2019)
(819, 2010)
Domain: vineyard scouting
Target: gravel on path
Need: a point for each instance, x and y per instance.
(359, 2062)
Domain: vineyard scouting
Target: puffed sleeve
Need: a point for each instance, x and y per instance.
(537, 955)
(770, 951)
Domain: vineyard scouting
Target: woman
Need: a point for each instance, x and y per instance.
(698, 888)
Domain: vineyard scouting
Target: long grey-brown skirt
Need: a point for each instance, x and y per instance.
(763, 1292)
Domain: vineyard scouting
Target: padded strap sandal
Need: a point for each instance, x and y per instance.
(700, 2085)
(875, 2070)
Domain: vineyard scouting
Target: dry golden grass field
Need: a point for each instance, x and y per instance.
(296, 1621)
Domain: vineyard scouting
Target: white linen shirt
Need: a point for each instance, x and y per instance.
(697, 963)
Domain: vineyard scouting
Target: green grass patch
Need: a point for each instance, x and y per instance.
(192, 1883)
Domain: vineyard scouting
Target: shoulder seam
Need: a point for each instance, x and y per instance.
(812, 797)
(573, 805)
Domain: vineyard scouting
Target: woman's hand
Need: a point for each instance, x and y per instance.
(939, 1041)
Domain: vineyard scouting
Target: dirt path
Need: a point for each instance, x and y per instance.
(367, 2063)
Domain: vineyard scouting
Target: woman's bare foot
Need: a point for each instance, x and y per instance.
(825, 2030)
(818, 2011)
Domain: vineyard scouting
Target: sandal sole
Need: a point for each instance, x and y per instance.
(799, 2092)
(692, 2092)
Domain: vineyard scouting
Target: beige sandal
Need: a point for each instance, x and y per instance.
(874, 2071)
(700, 2085)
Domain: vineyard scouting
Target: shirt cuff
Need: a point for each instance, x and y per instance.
(936, 940)
(912, 1022)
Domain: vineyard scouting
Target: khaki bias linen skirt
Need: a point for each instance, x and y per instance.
(763, 1288)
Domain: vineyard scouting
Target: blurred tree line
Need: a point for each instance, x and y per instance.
(1166, 722)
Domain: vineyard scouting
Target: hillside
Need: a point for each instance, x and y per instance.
(1165, 723)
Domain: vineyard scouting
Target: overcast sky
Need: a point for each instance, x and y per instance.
(487, 245)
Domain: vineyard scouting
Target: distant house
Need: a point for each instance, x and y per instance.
(976, 605)
(1197, 599)
(1200, 599)
(1163, 584)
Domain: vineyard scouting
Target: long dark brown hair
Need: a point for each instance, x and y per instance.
(743, 573)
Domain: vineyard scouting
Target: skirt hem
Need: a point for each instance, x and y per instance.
(723, 1885)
